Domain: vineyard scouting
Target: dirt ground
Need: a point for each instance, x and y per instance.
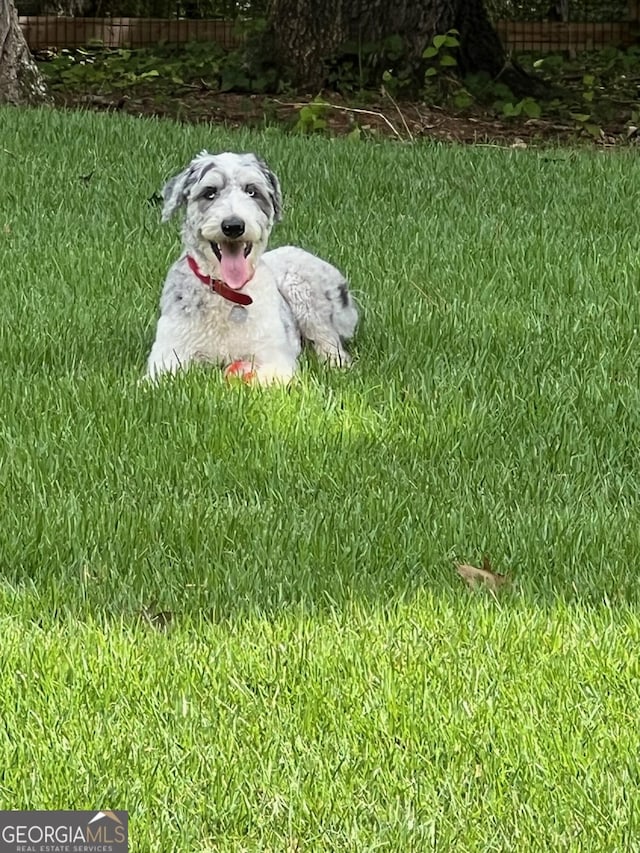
(385, 117)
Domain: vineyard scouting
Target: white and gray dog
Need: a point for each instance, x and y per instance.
(226, 300)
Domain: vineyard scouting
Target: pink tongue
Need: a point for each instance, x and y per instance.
(234, 267)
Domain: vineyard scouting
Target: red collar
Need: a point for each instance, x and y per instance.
(218, 286)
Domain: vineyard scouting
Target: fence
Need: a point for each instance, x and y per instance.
(53, 31)
(57, 31)
(549, 36)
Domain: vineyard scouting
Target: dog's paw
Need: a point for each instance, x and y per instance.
(333, 356)
(338, 358)
(240, 370)
(274, 374)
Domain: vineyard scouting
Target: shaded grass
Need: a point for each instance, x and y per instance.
(340, 688)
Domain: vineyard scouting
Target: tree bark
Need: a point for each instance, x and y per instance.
(20, 80)
(305, 32)
(302, 33)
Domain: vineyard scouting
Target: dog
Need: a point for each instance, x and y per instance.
(227, 300)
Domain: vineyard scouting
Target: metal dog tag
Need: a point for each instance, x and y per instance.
(238, 314)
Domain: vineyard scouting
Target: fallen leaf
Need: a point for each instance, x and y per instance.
(476, 577)
(160, 620)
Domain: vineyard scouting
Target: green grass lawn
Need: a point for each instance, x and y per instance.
(234, 611)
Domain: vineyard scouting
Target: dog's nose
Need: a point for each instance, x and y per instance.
(233, 227)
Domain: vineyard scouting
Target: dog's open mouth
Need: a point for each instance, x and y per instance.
(235, 267)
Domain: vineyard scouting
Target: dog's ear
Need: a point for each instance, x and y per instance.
(274, 189)
(175, 192)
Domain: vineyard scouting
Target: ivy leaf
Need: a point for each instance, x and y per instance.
(462, 100)
(531, 108)
(509, 109)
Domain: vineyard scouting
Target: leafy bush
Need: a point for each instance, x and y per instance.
(538, 10)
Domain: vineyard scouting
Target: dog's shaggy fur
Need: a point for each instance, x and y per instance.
(287, 296)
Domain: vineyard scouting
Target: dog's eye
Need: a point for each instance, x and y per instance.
(250, 190)
(210, 193)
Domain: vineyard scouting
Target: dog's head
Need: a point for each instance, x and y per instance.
(232, 202)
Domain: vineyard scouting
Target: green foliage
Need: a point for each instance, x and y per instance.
(585, 120)
(596, 86)
(399, 83)
(590, 92)
(106, 70)
(205, 65)
(361, 66)
(440, 55)
(462, 99)
(481, 89)
(485, 89)
(312, 117)
(525, 107)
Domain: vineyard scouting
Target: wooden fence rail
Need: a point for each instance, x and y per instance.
(549, 36)
(52, 31)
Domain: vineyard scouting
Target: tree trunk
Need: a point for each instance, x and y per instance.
(305, 32)
(20, 80)
(302, 34)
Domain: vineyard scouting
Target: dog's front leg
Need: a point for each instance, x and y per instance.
(279, 370)
(165, 363)
(166, 356)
